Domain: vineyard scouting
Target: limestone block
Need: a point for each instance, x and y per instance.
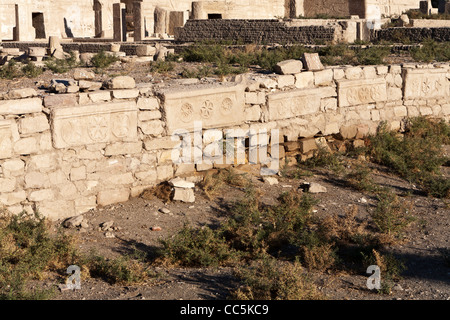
(252, 113)
(149, 115)
(119, 179)
(58, 209)
(307, 145)
(22, 106)
(164, 172)
(83, 205)
(429, 83)
(119, 148)
(369, 72)
(356, 92)
(255, 98)
(5, 139)
(148, 104)
(311, 62)
(323, 78)
(162, 143)
(285, 81)
(36, 124)
(394, 94)
(147, 177)
(353, 73)
(22, 93)
(85, 85)
(304, 80)
(77, 174)
(99, 96)
(26, 146)
(60, 100)
(289, 67)
(290, 104)
(7, 184)
(84, 125)
(42, 195)
(83, 74)
(328, 104)
(152, 128)
(338, 73)
(126, 94)
(145, 51)
(122, 82)
(36, 180)
(108, 197)
(215, 106)
(184, 195)
(13, 198)
(382, 70)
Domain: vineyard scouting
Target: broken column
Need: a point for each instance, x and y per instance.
(138, 17)
(176, 19)
(23, 31)
(160, 20)
(183, 190)
(197, 11)
(119, 22)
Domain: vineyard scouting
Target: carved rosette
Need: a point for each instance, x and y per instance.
(186, 112)
(207, 110)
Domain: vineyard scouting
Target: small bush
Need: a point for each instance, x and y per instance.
(31, 71)
(196, 247)
(392, 216)
(102, 60)
(269, 279)
(62, 65)
(28, 251)
(10, 71)
(326, 159)
(121, 270)
(432, 51)
(162, 66)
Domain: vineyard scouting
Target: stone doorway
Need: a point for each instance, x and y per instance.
(214, 16)
(38, 24)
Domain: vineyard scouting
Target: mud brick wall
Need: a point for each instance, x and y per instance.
(65, 154)
(415, 35)
(252, 31)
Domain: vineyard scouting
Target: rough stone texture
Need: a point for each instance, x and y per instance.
(289, 67)
(92, 149)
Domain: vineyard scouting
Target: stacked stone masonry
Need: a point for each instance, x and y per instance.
(253, 31)
(65, 154)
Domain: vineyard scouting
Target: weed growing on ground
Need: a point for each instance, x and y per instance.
(62, 65)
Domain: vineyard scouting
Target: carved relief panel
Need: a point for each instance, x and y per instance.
(357, 92)
(291, 104)
(76, 126)
(214, 107)
(426, 84)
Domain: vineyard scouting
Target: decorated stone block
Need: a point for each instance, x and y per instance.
(103, 123)
(425, 84)
(290, 104)
(357, 92)
(214, 107)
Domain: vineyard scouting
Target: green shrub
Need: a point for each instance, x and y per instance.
(62, 65)
(431, 51)
(417, 155)
(269, 279)
(31, 71)
(10, 71)
(197, 247)
(102, 60)
(27, 251)
(162, 66)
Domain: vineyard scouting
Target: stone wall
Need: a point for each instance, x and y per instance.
(65, 154)
(415, 35)
(253, 31)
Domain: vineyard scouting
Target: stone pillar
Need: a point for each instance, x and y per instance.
(176, 19)
(160, 20)
(197, 11)
(139, 25)
(119, 22)
(23, 31)
(296, 8)
(425, 7)
(447, 8)
(98, 19)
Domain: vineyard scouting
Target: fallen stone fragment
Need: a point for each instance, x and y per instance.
(181, 183)
(109, 235)
(270, 180)
(164, 210)
(73, 222)
(156, 228)
(184, 195)
(316, 188)
(106, 225)
(289, 67)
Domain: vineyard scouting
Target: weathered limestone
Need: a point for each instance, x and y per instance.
(356, 92)
(289, 67)
(311, 62)
(427, 83)
(213, 107)
(21, 106)
(294, 103)
(94, 124)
